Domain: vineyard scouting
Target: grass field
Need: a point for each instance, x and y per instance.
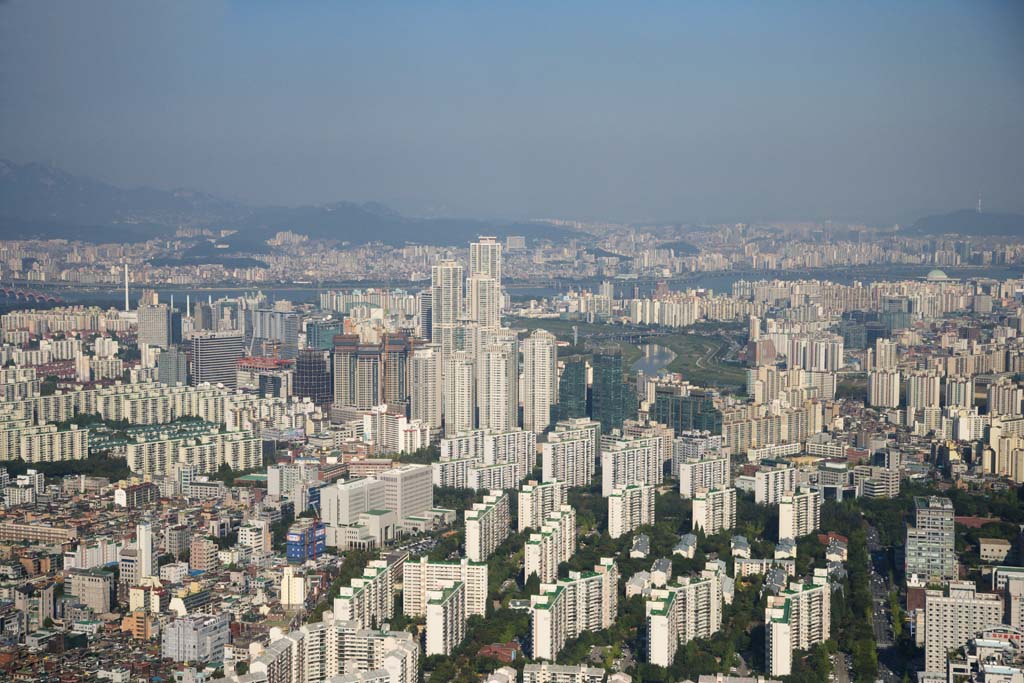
(699, 357)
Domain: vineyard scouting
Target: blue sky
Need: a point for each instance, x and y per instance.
(670, 111)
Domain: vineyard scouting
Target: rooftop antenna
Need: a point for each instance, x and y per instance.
(125, 286)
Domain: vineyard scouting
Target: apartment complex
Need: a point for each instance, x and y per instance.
(487, 525)
(714, 510)
(537, 500)
(630, 461)
(678, 613)
(419, 577)
(553, 544)
(586, 601)
(799, 513)
(930, 549)
(629, 508)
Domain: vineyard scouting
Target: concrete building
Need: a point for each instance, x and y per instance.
(708, 472)
(630, 461)
(714, 510)
(570, 456)
(586, 601)
(553, 544)
(562, 673)
(421, 576)
(94, 588)
(540, 380)
(678, 613)
(884, 388)
(799, 513)
(197, 639)
(629, 508)
(425, 385)
(368, 600)
(446, 618)
(796, 619)
(953, 616)
(772, 480)
(536, 501)
(459, 396)
(487, 525)
(930, 549)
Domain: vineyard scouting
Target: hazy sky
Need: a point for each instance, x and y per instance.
(628, 111)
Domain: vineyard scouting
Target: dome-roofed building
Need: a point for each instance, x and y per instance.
(936, 275)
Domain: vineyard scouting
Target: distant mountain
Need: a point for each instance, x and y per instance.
(43, 201)
(970, 224)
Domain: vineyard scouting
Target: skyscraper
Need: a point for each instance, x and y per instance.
(144, 543)
(155, 325)
(483, 295)
(278, 330)
(320, 333)
(609, 392)
(425, 392)
(446, 304)
(458, 394)
(215, 357)
(572, 389)
(497, 387)
(313, 376)
(540, 388)
(485, 258)
(366, 375)
(172, 366)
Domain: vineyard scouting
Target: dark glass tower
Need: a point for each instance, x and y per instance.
(572, 390)
(313, 376)
(609, 398)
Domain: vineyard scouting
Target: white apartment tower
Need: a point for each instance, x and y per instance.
(536, 501)
(540, 380)
(799, 513)
(487, 525)
(714, 510)
(458, 396)
(446, 618)
(425, 402)
(629, 508)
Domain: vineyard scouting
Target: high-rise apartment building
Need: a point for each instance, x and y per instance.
(796, 619)
(426, 390)
(708, 472)
(485, 258)
(552, 544)
(772, 480)
(446, 618)
(419, 576)
(540, 380)
(799, 513)
(446, 301)
(629, 508)
(884, 388)
(586, 601)
(930, 548)
(570, 456)
(536, 501)
(714, 510)
(497, 392)
(366, 375)
(678, 613)
(459, 397)
(630, 461)
(487, 525)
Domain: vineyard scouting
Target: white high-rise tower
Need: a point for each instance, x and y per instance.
(485, 258)
(144, 541)
(425, 399)
(540, 380)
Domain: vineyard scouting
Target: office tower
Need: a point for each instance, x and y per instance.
(552, 544)
(202, 317)
(930, 550)
(343, 502)
(629, 508)
(408, 490)
(772, 480)
(320, 333)
(458, 401)
(572, 389)
(395, 350)
(630, 461)
(420, 576)
(485, 258)
(954, 615)
(426, 379)
(498, 387)
(536, 501)
(684, 409)
(446, 304)
(155, 327)
(960, 392)
(799, 513)
(172, 367)
(446, 618)
(796, 619)
(714, 510)
(277, 331)
(215, 357)
(884, 388)
(586, 601)
(487, 525)
(144, 548)
(540, 387)
(678, 613)
(610, 402)
(313, 376)
(483, 301)
(709, 472)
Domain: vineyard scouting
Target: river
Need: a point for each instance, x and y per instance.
(653, 359)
